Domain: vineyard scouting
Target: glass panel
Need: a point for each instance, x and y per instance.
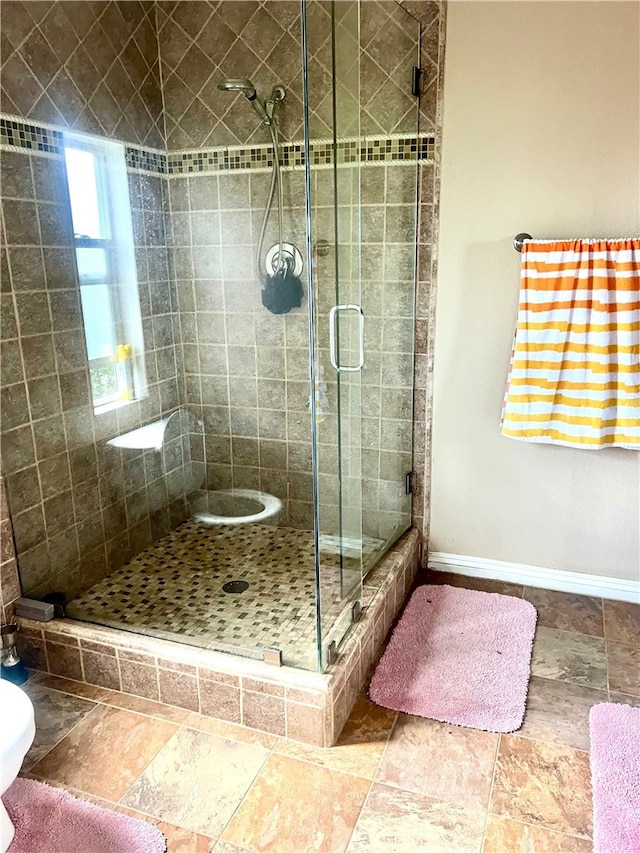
(390, 48)
(84, 193)
(332, 110)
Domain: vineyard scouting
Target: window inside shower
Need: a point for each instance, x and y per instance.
(105, 261)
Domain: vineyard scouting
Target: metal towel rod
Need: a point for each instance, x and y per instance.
(518, 240)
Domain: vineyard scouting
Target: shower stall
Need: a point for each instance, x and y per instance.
(237, 494)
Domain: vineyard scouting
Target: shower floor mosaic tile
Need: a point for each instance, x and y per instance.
(174, 590)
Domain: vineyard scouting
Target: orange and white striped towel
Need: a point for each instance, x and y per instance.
(574, 377)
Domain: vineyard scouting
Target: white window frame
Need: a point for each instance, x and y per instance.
(121, 276)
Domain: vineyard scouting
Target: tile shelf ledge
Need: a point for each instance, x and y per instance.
(149, 437)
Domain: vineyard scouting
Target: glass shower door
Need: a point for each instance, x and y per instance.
(332, 139)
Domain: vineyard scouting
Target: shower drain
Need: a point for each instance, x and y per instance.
(235, 586)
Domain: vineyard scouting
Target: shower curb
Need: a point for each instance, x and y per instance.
(305, 706)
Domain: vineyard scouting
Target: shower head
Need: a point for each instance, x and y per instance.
(239, 85)
(242, 84)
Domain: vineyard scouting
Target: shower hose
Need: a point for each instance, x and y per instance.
(276, 181)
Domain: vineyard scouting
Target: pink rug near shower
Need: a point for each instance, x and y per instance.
(615, 777)
(459, 656)
(50, 820)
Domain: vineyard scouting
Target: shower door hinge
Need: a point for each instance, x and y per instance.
(409, 482)
(416, 74)
(332, 652)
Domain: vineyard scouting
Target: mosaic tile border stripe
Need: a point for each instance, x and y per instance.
(141, 160)
(388, 149)
(47, 140)
(37, 138)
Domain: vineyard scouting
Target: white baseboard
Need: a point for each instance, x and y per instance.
(576, 582)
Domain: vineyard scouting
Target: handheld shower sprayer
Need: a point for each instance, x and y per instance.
(249, 91)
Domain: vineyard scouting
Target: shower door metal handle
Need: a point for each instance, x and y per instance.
(333, 339)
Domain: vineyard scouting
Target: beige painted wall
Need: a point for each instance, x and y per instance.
(541, 134)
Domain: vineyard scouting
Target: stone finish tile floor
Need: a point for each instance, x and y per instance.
(393, 784)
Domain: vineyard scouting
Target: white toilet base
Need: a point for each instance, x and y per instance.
(7, 829)
(17, 731)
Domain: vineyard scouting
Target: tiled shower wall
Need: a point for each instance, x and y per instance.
(9, 581)
(115, 93)
(203, 43)
(79, 507)
(90, 66)
(247, 369)
(432, 17)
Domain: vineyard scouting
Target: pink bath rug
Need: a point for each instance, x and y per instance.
(51, 820)
(615, 777)
(459, 656)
